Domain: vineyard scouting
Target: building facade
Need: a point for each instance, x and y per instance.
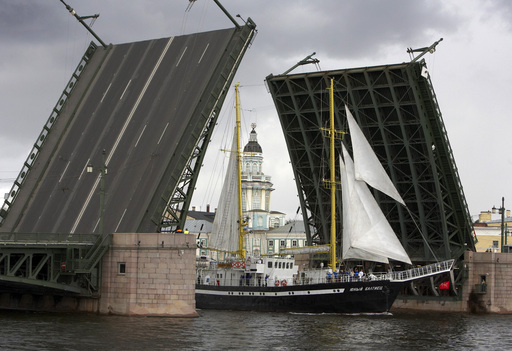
(489, 233)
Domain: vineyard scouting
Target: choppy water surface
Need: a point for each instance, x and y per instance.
(228, 330)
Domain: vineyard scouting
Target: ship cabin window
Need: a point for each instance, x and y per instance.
(275, 264)
(287, 265)
(269, 264)
(121, 268)
(291, 265)
(280, 265)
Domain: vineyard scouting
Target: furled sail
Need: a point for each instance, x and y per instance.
(367, 234)
(224, 235)
(367, 166)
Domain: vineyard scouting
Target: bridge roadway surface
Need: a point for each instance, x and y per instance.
(137, 108)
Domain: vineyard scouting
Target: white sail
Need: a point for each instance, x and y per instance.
(367, 166)
(367, 234)
(224, 235)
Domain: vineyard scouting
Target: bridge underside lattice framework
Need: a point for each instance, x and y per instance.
(397, 110)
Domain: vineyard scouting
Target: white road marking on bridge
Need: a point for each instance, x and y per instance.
(162, 135)
(124, 91)
(119, 223)
(183, 53)
(97, 224)
(204, 52)
(105, 93)
(83, 169)
(62, 175)
(140, 135)
(91, 193)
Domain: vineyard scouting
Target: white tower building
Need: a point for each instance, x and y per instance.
(257, 188)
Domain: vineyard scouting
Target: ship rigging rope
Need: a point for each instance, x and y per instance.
(422, 235)
(219, 164)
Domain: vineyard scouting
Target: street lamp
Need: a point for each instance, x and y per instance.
(103, 172)
(502, 212)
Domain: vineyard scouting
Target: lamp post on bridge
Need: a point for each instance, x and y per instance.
(103, 172)
(502, 212)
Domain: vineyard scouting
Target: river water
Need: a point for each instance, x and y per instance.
(228, 330)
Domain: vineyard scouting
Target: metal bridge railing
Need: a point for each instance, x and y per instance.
(47, 238)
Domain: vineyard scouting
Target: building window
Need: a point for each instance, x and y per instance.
(294, 243)
(495, 244)
(271, 243)
(121, 268)
(283, 243)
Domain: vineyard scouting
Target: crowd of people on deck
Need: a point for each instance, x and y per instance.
(354, 273)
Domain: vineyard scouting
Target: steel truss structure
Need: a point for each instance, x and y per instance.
(397, 109)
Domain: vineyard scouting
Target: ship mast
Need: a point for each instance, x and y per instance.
(241, 221)
(332, 180)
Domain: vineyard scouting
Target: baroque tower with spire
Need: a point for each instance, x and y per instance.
(257, 188)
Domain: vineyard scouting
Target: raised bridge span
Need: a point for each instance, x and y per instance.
(141, 115)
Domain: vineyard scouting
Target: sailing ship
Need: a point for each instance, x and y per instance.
(275, 283)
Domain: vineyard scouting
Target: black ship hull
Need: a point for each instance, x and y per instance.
(340, 297)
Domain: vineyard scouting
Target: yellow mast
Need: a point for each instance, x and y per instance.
(332, 181)
(241, 221)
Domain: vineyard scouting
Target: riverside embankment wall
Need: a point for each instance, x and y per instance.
(486, 289)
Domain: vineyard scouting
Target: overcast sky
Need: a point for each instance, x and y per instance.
(41, 44)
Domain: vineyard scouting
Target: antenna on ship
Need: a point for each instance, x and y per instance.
(81, 20)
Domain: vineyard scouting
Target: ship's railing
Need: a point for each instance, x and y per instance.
(423, 271)
(206, 277)
(203, 280)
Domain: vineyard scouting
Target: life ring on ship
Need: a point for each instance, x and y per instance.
(283, 282)
(276, 283)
